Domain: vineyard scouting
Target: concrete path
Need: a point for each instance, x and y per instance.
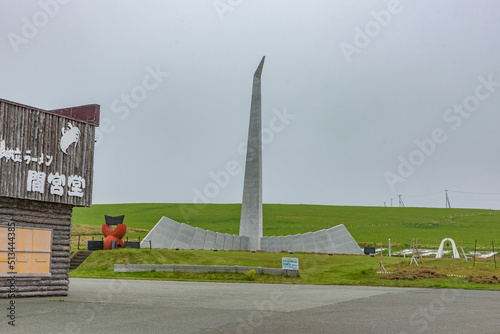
(130, 306)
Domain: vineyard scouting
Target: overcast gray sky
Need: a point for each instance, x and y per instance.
(362, 100)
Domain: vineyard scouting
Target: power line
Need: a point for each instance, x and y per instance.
(468, 192)
(432, 201)
(422, 195)
(475, 200)
(432, 197)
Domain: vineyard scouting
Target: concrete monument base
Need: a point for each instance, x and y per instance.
(169, 234)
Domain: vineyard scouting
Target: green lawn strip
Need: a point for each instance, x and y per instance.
(314, 268)
(368, 225)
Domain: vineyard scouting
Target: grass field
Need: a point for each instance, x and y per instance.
(368, 225)
(314, 268)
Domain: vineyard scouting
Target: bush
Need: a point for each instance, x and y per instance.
(250, 275)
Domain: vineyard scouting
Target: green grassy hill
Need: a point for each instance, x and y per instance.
(366, 224)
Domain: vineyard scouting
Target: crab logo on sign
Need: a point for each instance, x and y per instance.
(70, 135)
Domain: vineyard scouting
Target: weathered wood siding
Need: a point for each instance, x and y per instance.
(32, 162)
(53, 216)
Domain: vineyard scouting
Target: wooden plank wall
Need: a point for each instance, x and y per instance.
(26, 129)
(54, 216)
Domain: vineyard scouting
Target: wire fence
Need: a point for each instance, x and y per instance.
(79, 242)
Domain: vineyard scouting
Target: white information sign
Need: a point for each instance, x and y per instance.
(290, 263)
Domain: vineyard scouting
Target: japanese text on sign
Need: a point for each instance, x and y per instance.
(37, 180)
(290, 263)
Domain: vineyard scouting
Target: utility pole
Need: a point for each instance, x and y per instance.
(448, 206)
(391, 202)
(401, 204)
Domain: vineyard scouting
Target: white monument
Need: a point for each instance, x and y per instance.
(251, 206)
(171, 234)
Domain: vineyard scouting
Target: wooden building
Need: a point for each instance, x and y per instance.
(46, 168)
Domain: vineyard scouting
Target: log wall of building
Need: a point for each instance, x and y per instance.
(53, 216)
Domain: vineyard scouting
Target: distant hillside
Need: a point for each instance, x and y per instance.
(366, 224)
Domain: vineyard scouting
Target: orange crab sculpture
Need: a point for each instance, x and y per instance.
(111, 234)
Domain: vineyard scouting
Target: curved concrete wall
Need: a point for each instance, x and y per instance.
(335, 240)
(169, 234)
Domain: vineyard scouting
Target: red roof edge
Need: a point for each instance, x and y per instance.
(87, 114)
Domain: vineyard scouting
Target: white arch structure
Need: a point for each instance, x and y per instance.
(439, 254)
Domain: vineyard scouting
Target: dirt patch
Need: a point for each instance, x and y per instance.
(412, 275)
(432, 223)
(484, 279)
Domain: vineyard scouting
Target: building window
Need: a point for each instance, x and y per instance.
(32, 248)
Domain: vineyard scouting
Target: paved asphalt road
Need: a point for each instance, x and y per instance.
(127, 306)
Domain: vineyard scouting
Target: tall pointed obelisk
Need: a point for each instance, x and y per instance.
(251, 208)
